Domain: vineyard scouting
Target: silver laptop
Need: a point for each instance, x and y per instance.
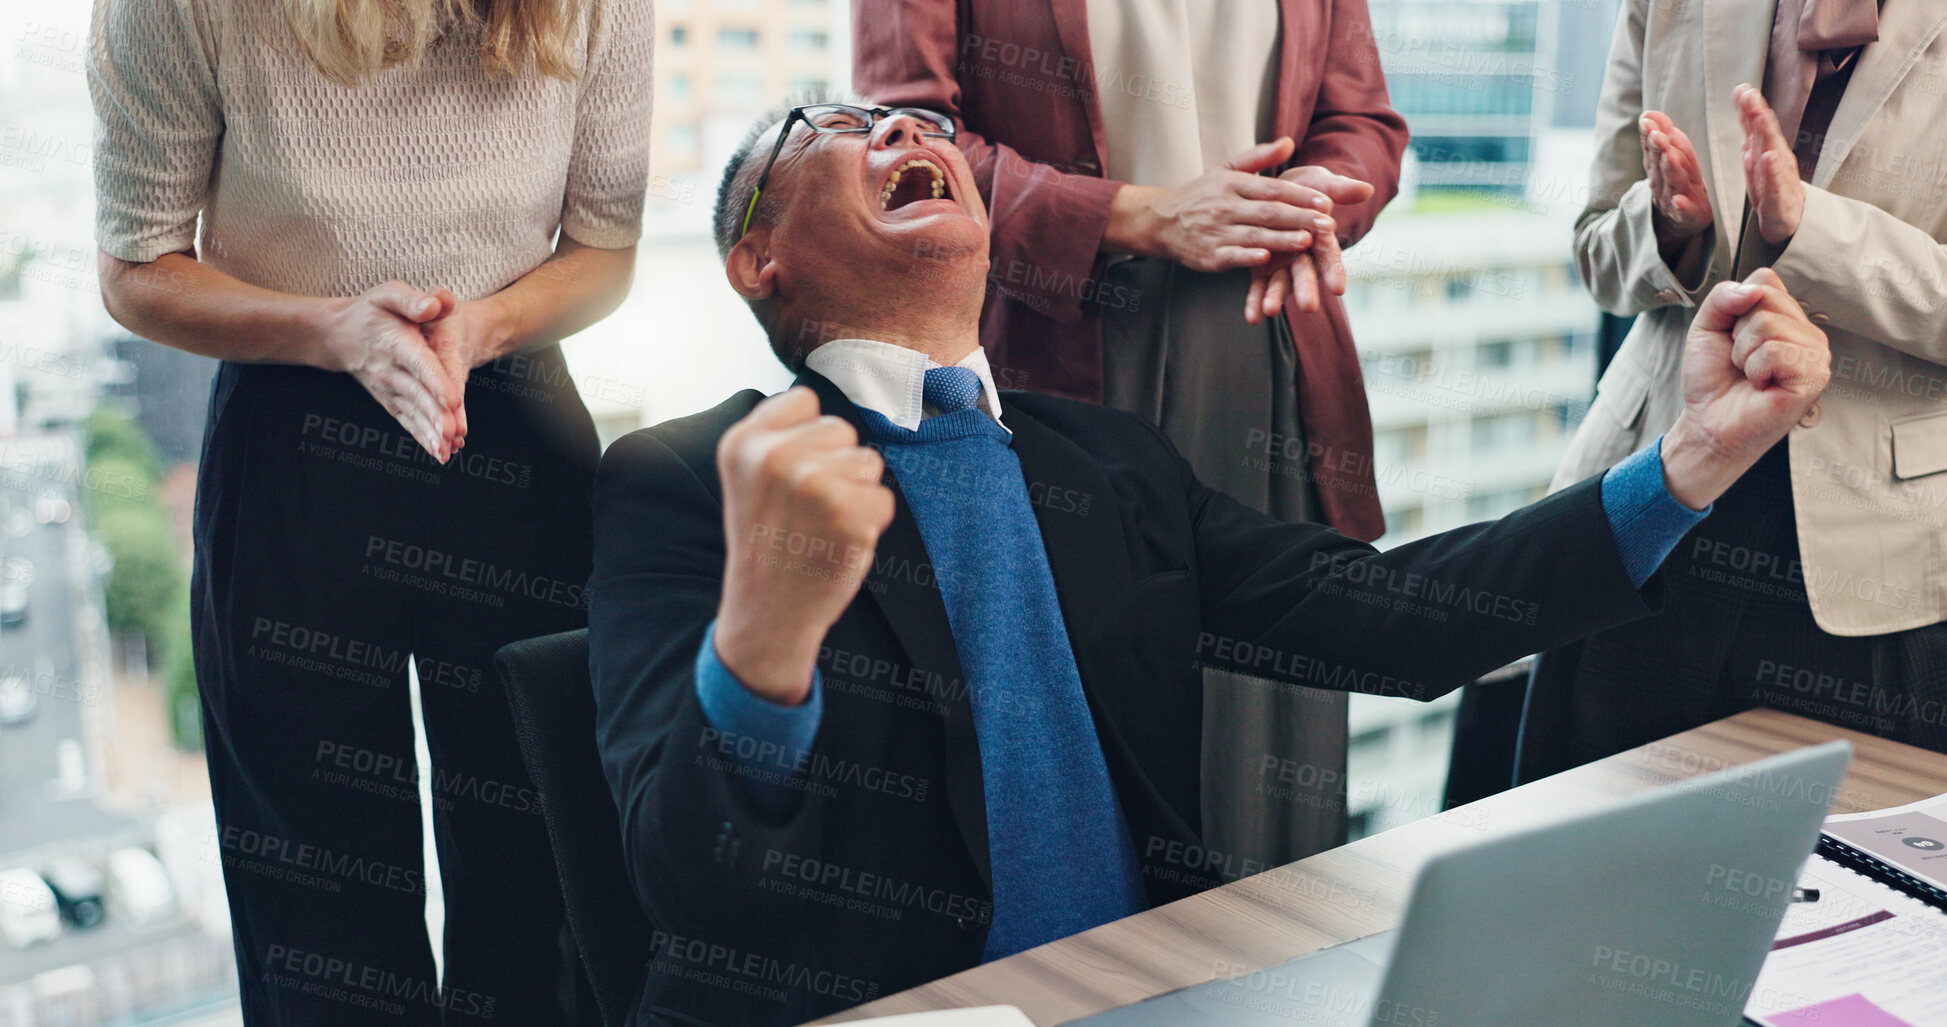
(1655, 909)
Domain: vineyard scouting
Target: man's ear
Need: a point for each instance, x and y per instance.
(750, 268)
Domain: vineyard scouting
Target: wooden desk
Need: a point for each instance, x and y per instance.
(1358, 889)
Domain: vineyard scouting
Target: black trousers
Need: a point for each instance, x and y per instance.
(1735, 633)
(332, 556)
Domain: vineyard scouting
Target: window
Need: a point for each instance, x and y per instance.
(679, 87)
(737, 39)
(810, 42)
(1496, 354)
(810, 87)
(739, 89)
(679, 36)
(1489, 505)
(682, 139)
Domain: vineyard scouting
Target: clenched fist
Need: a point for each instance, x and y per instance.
(1753, 367)
(803, 509)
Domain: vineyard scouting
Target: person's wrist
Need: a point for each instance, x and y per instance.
(1134, 226)
(499, 331)
(773, 659)
(320, 321)
(1696, 467)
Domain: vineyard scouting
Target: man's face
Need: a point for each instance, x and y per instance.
(860, 216)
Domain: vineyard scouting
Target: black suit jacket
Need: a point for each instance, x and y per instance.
(872, 875)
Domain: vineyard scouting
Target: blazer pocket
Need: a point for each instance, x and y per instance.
(1919, 446)
(1623, 393)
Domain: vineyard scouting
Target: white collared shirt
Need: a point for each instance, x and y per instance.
(891, 379)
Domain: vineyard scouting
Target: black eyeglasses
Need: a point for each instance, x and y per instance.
(844, 119)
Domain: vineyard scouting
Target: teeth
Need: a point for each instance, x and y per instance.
(892, 184)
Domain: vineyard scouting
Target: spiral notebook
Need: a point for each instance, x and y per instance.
(1871, 951)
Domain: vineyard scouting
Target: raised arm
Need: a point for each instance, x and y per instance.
(1631, 251)
(678, 717)
(1302, 603)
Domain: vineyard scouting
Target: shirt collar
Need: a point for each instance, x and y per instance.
(891, 380)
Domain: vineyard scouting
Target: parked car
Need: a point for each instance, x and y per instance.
(17, 699)
(77, 890)
(13, 604)
(139, 891)
(27, 909)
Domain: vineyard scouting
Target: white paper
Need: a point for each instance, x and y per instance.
(1894, 956)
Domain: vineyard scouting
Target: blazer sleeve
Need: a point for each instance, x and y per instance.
(1304, 604)
(685, 810)
(1615, 240)
(1354, 129)
(1046, 224)
(1870, 273)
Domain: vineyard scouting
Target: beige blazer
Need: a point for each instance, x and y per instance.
(1869, 477)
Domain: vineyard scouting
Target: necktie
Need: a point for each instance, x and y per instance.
(1057, 840)
(1811, 39)
(951, 388)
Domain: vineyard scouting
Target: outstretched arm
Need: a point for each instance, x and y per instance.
(1302, 603)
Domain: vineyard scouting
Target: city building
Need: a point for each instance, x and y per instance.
(1476, 336)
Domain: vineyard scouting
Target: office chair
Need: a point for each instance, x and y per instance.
(554, 720)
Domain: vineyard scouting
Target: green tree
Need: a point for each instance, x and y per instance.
(146, 593)
(147, 573)
(110, 430)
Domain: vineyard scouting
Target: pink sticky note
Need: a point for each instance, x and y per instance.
(1851, 1011)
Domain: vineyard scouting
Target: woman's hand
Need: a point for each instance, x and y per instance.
(1228, 218)
(1770, 168)
(377, 338)
(468, 335)
(1679, 203)
(1305, 277)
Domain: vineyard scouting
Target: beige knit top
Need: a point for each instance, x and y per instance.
(434, 173)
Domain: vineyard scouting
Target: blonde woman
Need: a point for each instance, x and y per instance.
(404, 205)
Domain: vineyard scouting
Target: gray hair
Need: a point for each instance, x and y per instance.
(733, 198)
(741, 171)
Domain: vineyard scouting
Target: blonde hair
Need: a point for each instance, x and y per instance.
(351, 40)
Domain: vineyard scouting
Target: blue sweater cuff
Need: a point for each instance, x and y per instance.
(733, 709)
(1645, 519)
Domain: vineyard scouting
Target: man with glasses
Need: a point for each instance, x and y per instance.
(897, 674)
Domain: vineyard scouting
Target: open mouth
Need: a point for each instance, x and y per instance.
(917, 179)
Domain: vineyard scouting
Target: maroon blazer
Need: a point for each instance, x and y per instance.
(1019, 76)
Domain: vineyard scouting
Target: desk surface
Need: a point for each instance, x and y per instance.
(1358, 889)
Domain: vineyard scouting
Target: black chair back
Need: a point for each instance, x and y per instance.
(554, 719)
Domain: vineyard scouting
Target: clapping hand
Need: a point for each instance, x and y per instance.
(1679, 204)
(1770, 169)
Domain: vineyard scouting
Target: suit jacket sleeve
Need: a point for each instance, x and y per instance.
(1354, 129)
(1302, 603)
(1871, 273)
(1046, 224)
(1615, 240)
(684, 808)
